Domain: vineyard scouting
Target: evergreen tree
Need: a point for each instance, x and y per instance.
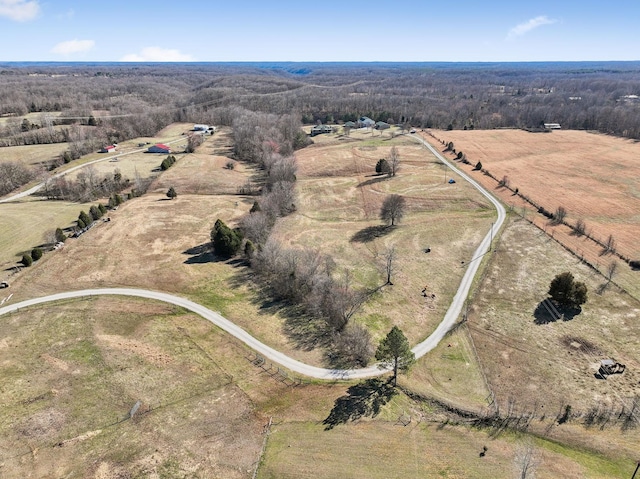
(394, 351)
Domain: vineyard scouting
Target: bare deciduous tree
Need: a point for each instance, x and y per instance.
(526, 462)
(559, 215)
(389, 257)
(353, 345)
(610, 245)
(257, 227)
(392, 210)
(580, 227)
(394, 161)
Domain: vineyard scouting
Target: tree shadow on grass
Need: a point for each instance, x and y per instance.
(362, 400)
(375, 179)
(200, 254)
(542, 316)
(305, 331)
(370, 233)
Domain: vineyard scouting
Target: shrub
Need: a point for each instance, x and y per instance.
(171, 194)
(60, 236)
(226, 242)
(36, 254)
(86, 219)
(249, 249)
(26, 260)
(478, 166)
(255, 208)
(635, 264)
(382, 166)
(230, 165)
(95, 213)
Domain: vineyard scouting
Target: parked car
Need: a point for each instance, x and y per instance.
(4, 284)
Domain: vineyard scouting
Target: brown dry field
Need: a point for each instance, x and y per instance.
(541, 368)
(33, 155)
(158, 244)
(155, 243)
(71, 373)
(595, 177)
(340, 196)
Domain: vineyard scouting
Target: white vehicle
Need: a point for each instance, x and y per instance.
(4, 284)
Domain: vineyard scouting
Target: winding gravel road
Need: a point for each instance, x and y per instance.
(296, 366)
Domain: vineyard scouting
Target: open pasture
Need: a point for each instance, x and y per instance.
(37, 156)
(595, 177)
(20, 231)
(385, 448)
(340, 197)
(539, 365)
(73, 372)
(155, 243)
(205, 172)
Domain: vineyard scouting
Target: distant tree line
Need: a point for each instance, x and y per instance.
(591, 96)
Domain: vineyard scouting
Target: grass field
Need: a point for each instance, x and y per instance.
(542, 367)
(593, 176)
(159, 244)
(34, 155)
(386, 448)
(24, 224)
(93, 359)
(72, 372)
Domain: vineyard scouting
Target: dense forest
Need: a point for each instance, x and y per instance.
(129, 100)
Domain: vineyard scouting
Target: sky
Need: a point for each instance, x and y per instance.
(327, 30)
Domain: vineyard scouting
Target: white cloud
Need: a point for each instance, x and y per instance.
(19, 10)
(157, 54)
(67, 15)
(529, 25)
(73, 46)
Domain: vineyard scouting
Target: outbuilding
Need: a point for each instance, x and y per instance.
(108, 149)
(199, 127)
(159, 148)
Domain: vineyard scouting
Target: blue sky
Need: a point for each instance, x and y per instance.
(304, 30)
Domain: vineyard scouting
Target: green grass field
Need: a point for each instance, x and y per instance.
(24, 224)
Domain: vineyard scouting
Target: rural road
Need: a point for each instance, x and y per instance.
(35, 188)
(293, 365)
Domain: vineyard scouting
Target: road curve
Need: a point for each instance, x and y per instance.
(296, 366)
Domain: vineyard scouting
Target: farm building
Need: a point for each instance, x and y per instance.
(366, 122)
(108, 149)
(381, 125)
(349, 124)
(159, 148)
(198, 127)
(320, 129)
(552, 126)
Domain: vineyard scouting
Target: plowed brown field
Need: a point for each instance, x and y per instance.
(595, 177)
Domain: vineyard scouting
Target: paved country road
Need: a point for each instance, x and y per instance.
(296, 366)
(39, 186)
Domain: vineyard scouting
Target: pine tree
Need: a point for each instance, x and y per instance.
(394, 351)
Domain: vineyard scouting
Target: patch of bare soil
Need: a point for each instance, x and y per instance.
(146, 351)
